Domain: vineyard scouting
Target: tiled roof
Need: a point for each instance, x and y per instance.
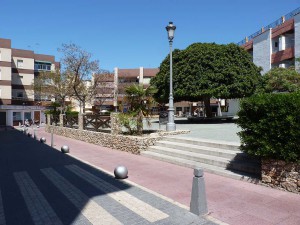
(105, 77)
(150, 72)
(128, 72)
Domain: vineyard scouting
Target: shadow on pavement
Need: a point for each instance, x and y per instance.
(26, 162)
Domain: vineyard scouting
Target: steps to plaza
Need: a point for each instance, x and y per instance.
(217, 157)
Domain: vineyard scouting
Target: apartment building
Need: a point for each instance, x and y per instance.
(277, 44)
(104, 98)
(17, 71)
(127, 77)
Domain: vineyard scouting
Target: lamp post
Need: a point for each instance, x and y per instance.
(171, 126)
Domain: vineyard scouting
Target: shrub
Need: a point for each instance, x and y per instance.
(128, 121)
(271, 126)
(72, 113)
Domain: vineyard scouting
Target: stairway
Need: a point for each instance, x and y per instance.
(218, 157)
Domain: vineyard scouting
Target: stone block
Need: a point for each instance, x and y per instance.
(289, 186)
(266, 179)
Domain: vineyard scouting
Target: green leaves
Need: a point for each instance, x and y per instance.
(271, 126)
(280, 80)
(207, 69)
(140, 101)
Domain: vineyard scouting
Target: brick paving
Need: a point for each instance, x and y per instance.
(40, 185)
(230, 201)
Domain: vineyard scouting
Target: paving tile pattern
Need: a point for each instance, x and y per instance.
(40, 210)
(40, 185)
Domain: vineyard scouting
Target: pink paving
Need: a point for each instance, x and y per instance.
(230, 201)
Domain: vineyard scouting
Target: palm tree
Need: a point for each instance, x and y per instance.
(140, 101)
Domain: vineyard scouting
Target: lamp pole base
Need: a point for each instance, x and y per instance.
(171, 126)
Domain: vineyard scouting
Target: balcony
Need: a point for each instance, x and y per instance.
(288, 53)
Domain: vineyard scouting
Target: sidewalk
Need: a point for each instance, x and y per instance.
(231, 201)
(40, 185)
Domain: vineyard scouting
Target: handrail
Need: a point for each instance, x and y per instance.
(274, 24)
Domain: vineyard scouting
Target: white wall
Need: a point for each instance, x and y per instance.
(233, 107)
(5, 73)
(262, 51)
(5, 92)
(5, 54)
(27, 63)
(147, 80)
(297, 40)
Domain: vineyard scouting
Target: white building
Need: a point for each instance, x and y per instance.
(277, 44)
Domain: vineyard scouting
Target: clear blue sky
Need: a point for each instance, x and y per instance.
(131, 33)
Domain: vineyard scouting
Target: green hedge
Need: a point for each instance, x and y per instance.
(271, 126)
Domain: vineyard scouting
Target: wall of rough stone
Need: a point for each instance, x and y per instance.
(281, 174)
(133, 144)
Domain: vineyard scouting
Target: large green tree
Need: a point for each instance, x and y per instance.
(206, 70)
(280, 80)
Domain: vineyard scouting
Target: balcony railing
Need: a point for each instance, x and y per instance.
(272, 25)
(22, 98)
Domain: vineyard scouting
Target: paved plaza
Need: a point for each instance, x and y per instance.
(40, 185)
(224, 131)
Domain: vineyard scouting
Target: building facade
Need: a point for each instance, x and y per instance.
(277, 44)
(18, 69)
(126, 77)
(104, 98)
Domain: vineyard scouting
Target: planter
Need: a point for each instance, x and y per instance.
(133, 144)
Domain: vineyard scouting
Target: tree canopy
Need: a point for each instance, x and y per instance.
(53, 84)
(140, 101)
(206, 70)
(79, 64)
(280, 80)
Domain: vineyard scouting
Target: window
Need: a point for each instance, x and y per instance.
(42, 66)
(16, 116)
(20, 63)
(19, 94)
(27, 115)
(276, 44)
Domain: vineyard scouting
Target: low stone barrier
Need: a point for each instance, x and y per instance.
(133, 144)
(281, 174)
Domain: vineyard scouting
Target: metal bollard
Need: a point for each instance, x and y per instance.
(34, 135)
(198, 204)
(52, 143)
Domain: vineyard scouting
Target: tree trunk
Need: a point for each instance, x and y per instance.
(208, 111)
(83, 106)
(140, 123)
(63, 105)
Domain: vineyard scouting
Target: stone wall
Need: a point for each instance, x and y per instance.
(281, 174)
(133, 144)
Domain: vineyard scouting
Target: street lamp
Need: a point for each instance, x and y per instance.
(171, 125)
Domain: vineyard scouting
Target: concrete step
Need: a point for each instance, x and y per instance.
(208, 168)
(225, 153)
(234, 146)
(234, 163)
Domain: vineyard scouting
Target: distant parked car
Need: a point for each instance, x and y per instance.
(104, 112)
